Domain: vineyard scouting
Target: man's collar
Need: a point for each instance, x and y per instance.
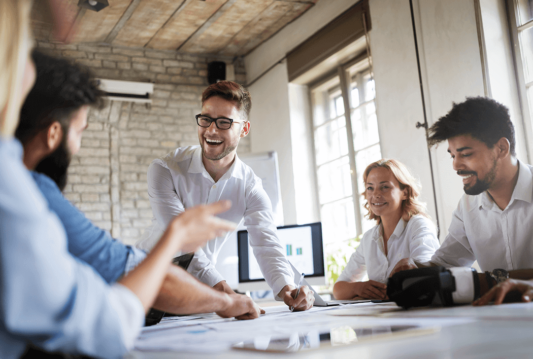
(523, 189)
(197, 166)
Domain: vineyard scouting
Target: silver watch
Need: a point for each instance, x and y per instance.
(499, 275)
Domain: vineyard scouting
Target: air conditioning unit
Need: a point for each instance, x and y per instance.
(129, 91)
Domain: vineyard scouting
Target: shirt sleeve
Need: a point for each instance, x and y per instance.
(203, 269)
(135, 257)
(86, 241)
(356, 268)
(423, 242)
(48, 297)
(267, 249)
(455, 251)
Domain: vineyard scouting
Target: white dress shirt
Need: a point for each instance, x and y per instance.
(179, 180)
(415, 239)
(48, 297)
(496, 238)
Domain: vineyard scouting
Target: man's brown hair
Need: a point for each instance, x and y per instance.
(230, 91)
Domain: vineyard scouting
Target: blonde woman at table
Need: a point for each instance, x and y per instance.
(403, 229)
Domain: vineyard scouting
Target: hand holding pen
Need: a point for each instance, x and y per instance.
(298, 289)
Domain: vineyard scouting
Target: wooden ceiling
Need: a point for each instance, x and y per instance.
(223, 27)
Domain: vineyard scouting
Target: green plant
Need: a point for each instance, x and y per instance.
(337, 259)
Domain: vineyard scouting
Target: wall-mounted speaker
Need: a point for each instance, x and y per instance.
(216, 71)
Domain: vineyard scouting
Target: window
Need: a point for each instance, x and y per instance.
(346, 141)
(522, 31)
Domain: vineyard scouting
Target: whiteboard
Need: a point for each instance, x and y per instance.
(265, 166)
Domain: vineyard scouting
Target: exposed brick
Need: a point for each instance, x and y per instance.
(160, 55)
(73, 197)
(107, 73)
(94, 216)
(148, 143)
(66, 47)
(169, 144)
(91, 197)
(189, 72)
(102, 160)
(128, 52)
(93, 49)
(159, 69)
(124, 65)
(161, 94)
(144, 60)
(111, 57)
(164, 77)
(90, 188)
(89, 63)
(174, 70)
(159, 103)
(139, 66)
(109, 64)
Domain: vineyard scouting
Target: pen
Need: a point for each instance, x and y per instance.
(298, 291)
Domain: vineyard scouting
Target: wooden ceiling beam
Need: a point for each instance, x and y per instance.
(176, 13)
(123, 20)
(196, 35)
(184, 23)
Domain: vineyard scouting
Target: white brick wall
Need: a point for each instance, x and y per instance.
(107, 179)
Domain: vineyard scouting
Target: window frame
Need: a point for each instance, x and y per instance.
(342, 72)
(515, 29)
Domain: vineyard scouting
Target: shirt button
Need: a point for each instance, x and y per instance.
(214, 186)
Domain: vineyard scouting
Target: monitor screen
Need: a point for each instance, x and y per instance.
(302, 246)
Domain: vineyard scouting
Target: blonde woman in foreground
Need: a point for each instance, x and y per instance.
(403, 230)
(48, 299)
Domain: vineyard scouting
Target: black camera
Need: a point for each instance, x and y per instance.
(434, 286)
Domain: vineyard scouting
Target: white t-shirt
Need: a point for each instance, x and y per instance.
(481, 231)
(179, 181)
(416, 239)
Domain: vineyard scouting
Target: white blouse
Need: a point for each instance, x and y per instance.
(416, 239)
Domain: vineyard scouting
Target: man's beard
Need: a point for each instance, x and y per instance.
(481, 185)
(56, 164)
(224, 153)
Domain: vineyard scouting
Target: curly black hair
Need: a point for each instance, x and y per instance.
(480, 117)
(61, 88)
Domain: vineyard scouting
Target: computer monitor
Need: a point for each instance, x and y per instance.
(303, 247)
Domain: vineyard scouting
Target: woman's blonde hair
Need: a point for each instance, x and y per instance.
(15, 44)
(410, 206)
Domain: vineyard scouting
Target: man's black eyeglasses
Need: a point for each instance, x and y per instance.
(222, 123)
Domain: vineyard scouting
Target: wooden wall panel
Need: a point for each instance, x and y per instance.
(184, 23)
(270, 21)
(219, 34)
(95, 26)
(144, 23)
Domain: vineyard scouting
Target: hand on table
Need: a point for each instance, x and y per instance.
(403, 264)
(498, 292)
(304, 301)
(241, 307)
(371, 290)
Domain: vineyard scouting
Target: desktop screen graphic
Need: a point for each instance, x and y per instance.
(302, 245)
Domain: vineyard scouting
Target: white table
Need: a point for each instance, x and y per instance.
(504, 331)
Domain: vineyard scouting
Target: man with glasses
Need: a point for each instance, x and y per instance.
(210, 172)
